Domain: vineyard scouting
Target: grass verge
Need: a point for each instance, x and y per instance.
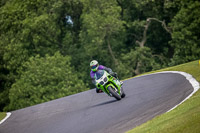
(2, 115)
(183, 119)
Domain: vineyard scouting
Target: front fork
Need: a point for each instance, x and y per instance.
(115, 89)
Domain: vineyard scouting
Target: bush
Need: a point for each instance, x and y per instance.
(43, 79)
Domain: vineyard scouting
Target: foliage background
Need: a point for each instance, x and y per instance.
(46, 45)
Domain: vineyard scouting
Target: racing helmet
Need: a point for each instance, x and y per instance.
(94, 65)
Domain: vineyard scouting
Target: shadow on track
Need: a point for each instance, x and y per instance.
(104, 103)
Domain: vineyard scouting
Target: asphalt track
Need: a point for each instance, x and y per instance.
(88, 112)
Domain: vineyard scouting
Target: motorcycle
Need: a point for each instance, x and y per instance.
(109, 84)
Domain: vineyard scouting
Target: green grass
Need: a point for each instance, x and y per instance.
(183, 119)
(2, 115)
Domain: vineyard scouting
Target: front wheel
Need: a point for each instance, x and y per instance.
(114, 93)
(122, 93)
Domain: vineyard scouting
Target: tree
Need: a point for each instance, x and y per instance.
(43, 79)
(131, 37)
(186, 31)
(147, 26)
(140, 60)
(101, 22)
(29, 28)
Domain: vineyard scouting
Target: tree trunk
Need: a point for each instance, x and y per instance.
(144, 38)
(168, 29)
(141, 44)
(137, 70)
(111, 52)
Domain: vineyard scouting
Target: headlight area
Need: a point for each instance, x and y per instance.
(101, 82)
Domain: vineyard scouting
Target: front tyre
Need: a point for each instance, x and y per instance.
(122, 93)
(114, 93)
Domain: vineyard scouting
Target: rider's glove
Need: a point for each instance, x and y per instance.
(115, 74)
(111, 73)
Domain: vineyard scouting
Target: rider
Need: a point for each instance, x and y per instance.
(94, 65)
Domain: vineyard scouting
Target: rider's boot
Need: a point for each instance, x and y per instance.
(98, 90)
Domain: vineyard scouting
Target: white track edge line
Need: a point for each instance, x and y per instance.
(193, 82)
(7, 116)
(189, 77)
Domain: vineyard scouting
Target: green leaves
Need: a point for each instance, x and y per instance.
(143, 56)
(43, 79)
(186, 30)
(101, 19)
(101, 24)
(33, 31)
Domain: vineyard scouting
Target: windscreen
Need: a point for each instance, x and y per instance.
(99, 74)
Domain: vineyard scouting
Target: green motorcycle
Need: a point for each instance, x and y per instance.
(109, 84)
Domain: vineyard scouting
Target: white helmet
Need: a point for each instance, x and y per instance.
(94, 65)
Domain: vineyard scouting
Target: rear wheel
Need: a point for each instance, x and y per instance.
(114, 93)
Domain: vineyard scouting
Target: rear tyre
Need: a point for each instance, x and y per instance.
(114, 93)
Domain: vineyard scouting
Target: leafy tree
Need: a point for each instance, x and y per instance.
(186, 31)
(101, 22)
(147, 25)
(29, 28)
(131, 37)
(140, 60)
(43, 79)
